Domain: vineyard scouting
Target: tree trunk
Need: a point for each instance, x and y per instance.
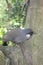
(34, 21)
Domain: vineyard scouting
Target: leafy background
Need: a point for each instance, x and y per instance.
(11, 19)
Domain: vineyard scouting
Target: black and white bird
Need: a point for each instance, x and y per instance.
(17, 36)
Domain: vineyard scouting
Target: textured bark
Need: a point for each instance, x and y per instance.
(3, 59)
(34, 21)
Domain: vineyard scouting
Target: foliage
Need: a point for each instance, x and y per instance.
(11, 19)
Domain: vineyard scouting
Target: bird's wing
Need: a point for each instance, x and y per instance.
(20, 39)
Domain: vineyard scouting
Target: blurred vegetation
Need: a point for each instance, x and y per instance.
(11, 16)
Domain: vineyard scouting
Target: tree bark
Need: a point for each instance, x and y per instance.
(34, 20)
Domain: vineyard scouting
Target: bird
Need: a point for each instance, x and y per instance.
(17, 35)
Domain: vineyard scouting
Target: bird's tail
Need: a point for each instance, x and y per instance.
(4, 43)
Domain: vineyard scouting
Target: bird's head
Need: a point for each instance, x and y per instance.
(28, 33)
